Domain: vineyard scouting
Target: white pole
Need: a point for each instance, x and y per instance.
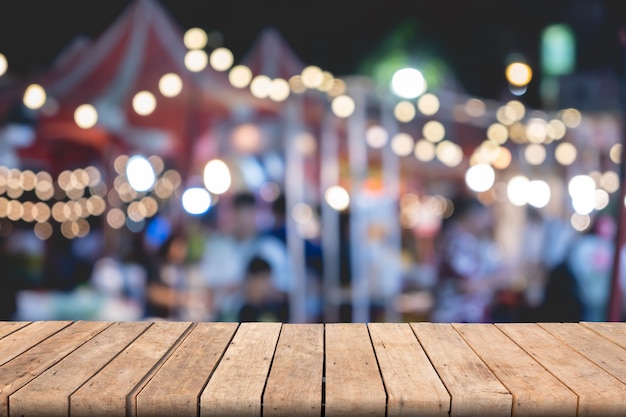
(358, 223)
(331, 234)
(294, 194)
(391, 181)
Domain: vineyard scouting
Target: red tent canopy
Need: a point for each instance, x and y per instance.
(142, 45)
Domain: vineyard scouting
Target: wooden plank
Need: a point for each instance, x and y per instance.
(236, 386)
(25, 338)
(604, 353)
(111, 392)
(8, 327)
(614, 331)
(536, 392)
(599, 393)
(474, 389)
(294, 386)
(27, 366)
(354, 385)
(175, 388)
(48, 394)
(412, 384)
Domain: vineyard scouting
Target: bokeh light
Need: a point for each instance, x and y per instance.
(195, 38)
(408, 83)
(86, 116)
(216, 176)
(337, 197)
(196, 200)
(144, 103)
(34, 96)
(140, 174)
(170, 84)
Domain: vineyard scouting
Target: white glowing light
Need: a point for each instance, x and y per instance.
(343, 106)
(480, 177)
(196, 200)
(376, 136)
(217, 177)
(196, 60)
(34, 96)
(337, 197)
(86, 116)
(538, 193)
(4, 65)
(144, 103)
(517, 190)
(170, 85)
(140, 173)
(221, 59)
(408, 83)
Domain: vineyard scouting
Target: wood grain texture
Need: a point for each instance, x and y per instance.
(294, 386)
(412, 384)
(175, 389)
(23, 339)
(613, 331)
(236, 386)
(599, 393)
(48, 395)
(536, 392)
(110, 391)
(609, 356)
(8, 327)
(474, 389)
(27, 366)
(353, 383)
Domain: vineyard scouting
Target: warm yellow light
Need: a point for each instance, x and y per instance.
(195, 38)
(343, 106)
(240, 76)
(279, 90)
(221, 59)
(312, 76)
(4, 65)
(196, 60)
(34, 96)
(261, 86)
(170, 85)
(86, 116)
(144, 103)
(404, 111)
(519, 74)
(428, 104)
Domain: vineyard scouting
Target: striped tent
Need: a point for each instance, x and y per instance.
(142, 45)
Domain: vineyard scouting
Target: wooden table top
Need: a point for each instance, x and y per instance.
(144, 368)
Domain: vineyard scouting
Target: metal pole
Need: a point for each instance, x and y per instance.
(294, 194)
(329, 176)
(358, 224)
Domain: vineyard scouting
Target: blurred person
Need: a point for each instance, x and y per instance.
(262, 301)
(470, 267)
(227, 251)
(313, 258)
(590, 260)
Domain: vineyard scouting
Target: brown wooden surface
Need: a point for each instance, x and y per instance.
(110, 391)
(412, 384)
(350, 361)
(599, 393)
(236, 387)
(175, 389)
(474, 389)
(294, 386)
(27, 366)
(65, 368)
(534, 389)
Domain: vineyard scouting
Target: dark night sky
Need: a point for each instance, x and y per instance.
(474, 37)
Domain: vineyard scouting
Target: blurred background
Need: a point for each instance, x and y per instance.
(272, 161)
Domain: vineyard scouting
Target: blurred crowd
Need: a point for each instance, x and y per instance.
(234, 264)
